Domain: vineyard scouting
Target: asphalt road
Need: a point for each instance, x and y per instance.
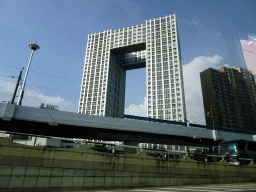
(243, 187)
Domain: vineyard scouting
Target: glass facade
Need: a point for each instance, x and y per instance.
(153, 45)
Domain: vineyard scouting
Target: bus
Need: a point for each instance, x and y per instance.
(238, 151)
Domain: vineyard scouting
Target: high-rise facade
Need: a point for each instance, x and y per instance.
(153, 45)
(229, 97)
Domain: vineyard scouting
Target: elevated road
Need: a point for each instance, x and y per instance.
(54, 123)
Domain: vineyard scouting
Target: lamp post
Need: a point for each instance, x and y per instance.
(34, 47)
(215, 132)
(189, 120)
(211, 114)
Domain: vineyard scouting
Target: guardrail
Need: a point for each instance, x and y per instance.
(159, 153)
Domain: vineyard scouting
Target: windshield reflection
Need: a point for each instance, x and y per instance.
(228, 149)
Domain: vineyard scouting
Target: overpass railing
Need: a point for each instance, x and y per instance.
(192, 125)
(132, 117)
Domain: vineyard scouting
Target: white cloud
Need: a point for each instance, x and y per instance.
(192, 71)
(137, 110)
(192, 85)
(34, 98)
(6, 90)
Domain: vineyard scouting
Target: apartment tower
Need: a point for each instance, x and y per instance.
(229, 97)
(153, 45)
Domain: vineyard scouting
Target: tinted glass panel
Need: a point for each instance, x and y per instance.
(228, 148)
(241, 144)
(251, 146)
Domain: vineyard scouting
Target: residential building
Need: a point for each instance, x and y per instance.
(229, 98)
(153, 45)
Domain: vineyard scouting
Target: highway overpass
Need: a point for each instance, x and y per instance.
(131, 129)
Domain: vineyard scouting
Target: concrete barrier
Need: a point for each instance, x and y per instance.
(29, 168)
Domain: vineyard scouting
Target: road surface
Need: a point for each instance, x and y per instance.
(242, 187)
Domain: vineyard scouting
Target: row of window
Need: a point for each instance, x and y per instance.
(167, 117)
(166, 96)
(133, 34)
(167, 106)
(161, 96)
(161, 112)
(134, 30)
(151, 33)
(161, 91)
(162, 101)
(121, 40)
(165, 72)
(167, 110)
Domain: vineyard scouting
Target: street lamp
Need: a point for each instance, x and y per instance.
(189, 120)
(34, 47)
(215, 132)
(211, 114)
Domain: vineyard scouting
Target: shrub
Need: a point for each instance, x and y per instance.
(101, 148)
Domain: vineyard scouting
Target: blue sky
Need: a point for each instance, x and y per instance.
(208, 31)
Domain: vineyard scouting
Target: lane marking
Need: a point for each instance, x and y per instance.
(241, 189)
(191, 189)
(196, 188)
(208, 188)
(214, 188)
(148, 190)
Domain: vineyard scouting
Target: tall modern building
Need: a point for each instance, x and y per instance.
(153, 45)
(230, 96)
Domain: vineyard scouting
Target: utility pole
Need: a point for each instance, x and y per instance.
(13, 97)
(17, 85)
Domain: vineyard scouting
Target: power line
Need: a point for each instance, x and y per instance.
(74, 102)
(11, 66)
(52, 93)
(195, 112)
(7, 76)
(6, 84)
(37, 100)
(4, 93)
(7, 88)
(69, 101)
(32, 86)
(48, 94)
(52, 88)
(43, 73)
(7, 80)
(60, 95)
(54, 76)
